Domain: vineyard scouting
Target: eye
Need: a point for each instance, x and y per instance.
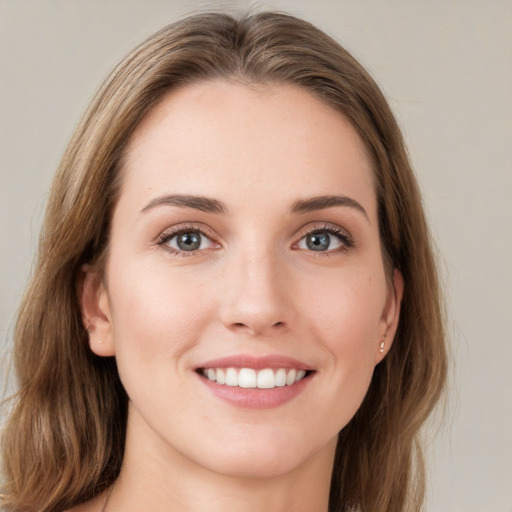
(186, 240)
(325, 240)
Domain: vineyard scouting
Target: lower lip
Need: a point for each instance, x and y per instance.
(254, 398)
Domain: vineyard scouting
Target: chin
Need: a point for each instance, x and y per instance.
(263, 459)
(257, 467)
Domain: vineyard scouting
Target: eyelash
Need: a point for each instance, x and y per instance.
(169, 234)
(331, 229)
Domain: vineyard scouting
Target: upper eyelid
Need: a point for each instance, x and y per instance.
(181, 228)
(323, 226)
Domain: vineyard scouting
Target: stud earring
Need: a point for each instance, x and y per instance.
(382, 345)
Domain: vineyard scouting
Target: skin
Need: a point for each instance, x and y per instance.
(255, 287)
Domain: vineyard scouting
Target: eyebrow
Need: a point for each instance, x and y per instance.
(204, 204)
(210, 205)
(323, 202)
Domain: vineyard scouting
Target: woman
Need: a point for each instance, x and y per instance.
(236, 303)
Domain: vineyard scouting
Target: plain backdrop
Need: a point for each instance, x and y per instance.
(446, 67)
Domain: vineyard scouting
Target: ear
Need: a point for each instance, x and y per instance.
(95, 308)
(390, 316)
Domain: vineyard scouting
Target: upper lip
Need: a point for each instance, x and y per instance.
(255, 362)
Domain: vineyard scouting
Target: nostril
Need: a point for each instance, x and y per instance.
(257, 328)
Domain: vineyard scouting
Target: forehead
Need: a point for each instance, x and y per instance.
(236, 141)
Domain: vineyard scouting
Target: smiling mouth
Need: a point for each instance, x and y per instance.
(265, 378)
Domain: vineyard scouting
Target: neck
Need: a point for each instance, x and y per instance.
(158, 478)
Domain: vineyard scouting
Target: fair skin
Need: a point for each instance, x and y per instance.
(260, 273)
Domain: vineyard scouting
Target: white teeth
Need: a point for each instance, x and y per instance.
(221, 377)
(231, 377)
(290, 378)
(267, 378)
(247, 378)
(281, 378)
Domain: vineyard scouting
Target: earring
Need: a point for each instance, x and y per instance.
(382, 345)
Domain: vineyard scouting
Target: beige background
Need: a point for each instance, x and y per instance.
(446, 67)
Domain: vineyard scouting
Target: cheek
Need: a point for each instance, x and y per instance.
(346, 310)
(156, 316)
(345, 318)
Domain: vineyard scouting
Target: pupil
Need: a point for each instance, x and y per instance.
(189, 241)
(318, 241)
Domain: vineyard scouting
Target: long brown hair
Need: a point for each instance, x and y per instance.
(63, 442)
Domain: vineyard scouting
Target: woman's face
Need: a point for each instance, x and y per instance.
(245, 297)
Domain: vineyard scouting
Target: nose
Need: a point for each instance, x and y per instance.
(256, 297)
